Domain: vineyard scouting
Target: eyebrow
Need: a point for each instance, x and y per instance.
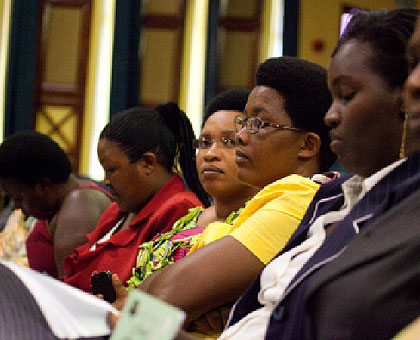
(257, 110)
(340, 78)
(224, 132)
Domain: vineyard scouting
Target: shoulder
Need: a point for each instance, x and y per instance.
(332, 187)
(87, 194)
(181, 198)
(291, 183)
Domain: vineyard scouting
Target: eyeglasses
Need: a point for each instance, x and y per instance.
(254, 124)
(206, 143)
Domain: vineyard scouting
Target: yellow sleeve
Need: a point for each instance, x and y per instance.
(213, 232)
(266, 231)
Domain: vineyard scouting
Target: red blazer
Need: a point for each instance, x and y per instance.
(119, 253)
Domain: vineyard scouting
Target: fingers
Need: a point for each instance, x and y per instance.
(112, 319)
(120, 291)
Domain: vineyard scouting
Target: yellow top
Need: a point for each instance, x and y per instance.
(410, 332)
(266, 223)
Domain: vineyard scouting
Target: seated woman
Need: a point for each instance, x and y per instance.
(377, 275)
(353, 289)
(281, 143)
(36, 173)
(217, 173)
(139, 150)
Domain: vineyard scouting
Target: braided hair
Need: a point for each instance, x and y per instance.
(166, 131)
(387, 33)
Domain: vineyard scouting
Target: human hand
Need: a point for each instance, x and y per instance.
(122, 294)
(211, 323)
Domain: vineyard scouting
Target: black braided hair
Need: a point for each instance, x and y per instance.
(29, 156)
(166, 131)
(387, 33)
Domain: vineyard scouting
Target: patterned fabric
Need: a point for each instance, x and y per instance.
(168, 248)
(13, 237)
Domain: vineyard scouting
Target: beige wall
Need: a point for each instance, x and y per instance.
(320, 20)
(5, 11)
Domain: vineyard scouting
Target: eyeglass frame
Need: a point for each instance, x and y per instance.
(262, 125)
(196, 143)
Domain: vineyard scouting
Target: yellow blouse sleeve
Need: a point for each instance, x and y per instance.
(266, 230)
(213, 232)
(265, 225)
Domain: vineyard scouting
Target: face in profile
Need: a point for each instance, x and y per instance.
(216, 165)
(412, 93)
(125, 179)
(365, 112)
(32, 200)
(271, 153)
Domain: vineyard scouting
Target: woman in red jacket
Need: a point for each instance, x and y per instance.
(141, 151)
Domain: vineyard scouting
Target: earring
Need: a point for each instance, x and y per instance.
(403, 137)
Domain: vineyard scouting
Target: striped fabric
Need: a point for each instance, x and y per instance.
(20, 316)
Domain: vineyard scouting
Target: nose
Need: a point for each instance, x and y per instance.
(241, 137)
(413, 85)
(332, 117)
(212, 153)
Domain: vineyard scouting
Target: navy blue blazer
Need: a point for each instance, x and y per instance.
(371, 291)
(287, 319)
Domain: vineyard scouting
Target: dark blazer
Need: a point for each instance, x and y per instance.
(372, 290)
(287, 320)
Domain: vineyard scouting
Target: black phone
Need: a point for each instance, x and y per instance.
(101, 283)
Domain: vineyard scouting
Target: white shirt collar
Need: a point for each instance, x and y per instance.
(356, 187)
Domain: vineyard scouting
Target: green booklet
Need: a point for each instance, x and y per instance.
(147, 318)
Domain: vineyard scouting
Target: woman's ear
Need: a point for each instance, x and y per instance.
(310, 145)
(148, 162)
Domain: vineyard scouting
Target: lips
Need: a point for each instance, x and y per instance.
(335, 142)
(211, 170)
(240, 156)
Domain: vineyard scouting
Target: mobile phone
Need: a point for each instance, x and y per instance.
(101, 283)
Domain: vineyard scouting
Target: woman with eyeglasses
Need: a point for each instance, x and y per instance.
(216, 167)
(281, 142)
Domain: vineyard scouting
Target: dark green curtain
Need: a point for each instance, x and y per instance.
(126, 62)
(19, 103)
(290, 30)
(212, 65)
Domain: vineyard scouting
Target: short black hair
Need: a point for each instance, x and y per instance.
(387, 32)
(166, 131)
(304, 88)
(29, 156)
(233, 100)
